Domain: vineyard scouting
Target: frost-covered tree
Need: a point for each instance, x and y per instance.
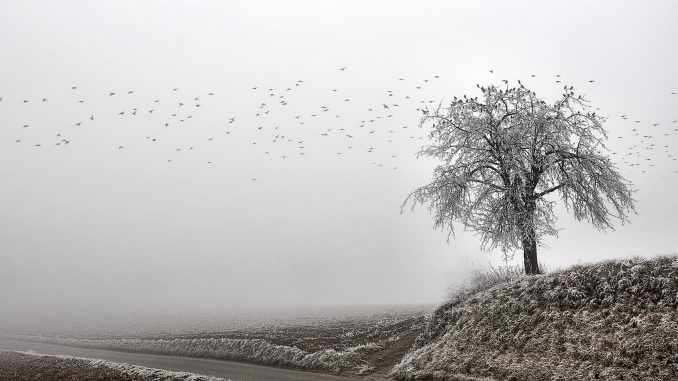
(507, 155)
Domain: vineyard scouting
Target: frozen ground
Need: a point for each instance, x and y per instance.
(367, 341)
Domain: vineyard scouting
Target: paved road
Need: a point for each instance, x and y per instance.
(226, 369)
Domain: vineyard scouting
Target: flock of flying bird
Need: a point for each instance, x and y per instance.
(639, 152)
(275, 129)
(273, 125)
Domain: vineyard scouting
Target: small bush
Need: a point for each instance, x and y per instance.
(483, 279)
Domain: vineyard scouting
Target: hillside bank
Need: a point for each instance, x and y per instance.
(613, 320)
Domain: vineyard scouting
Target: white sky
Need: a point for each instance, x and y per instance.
(88, 225)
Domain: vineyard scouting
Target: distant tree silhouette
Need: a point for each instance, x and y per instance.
(506, 155)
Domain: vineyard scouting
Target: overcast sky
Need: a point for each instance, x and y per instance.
(91, 225)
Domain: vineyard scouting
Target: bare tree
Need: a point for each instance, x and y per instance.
(505, 157)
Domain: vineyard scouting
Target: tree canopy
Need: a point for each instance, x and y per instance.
(505, 155)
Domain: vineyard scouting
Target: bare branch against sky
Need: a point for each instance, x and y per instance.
(506, 155)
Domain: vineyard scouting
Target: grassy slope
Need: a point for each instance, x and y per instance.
(614, 320)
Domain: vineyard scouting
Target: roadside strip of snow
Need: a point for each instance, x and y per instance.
(129, 369)
(248, 350)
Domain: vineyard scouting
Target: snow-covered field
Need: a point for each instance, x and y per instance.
(613, 320)
(348, 344)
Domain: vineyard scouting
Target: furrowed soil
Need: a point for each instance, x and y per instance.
(394, 339)
(364, 344)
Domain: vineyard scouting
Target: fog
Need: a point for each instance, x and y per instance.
(93, 228)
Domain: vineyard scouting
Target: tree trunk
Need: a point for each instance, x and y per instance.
(530, 255)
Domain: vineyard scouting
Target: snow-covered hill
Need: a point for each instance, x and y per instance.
(614, 320)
